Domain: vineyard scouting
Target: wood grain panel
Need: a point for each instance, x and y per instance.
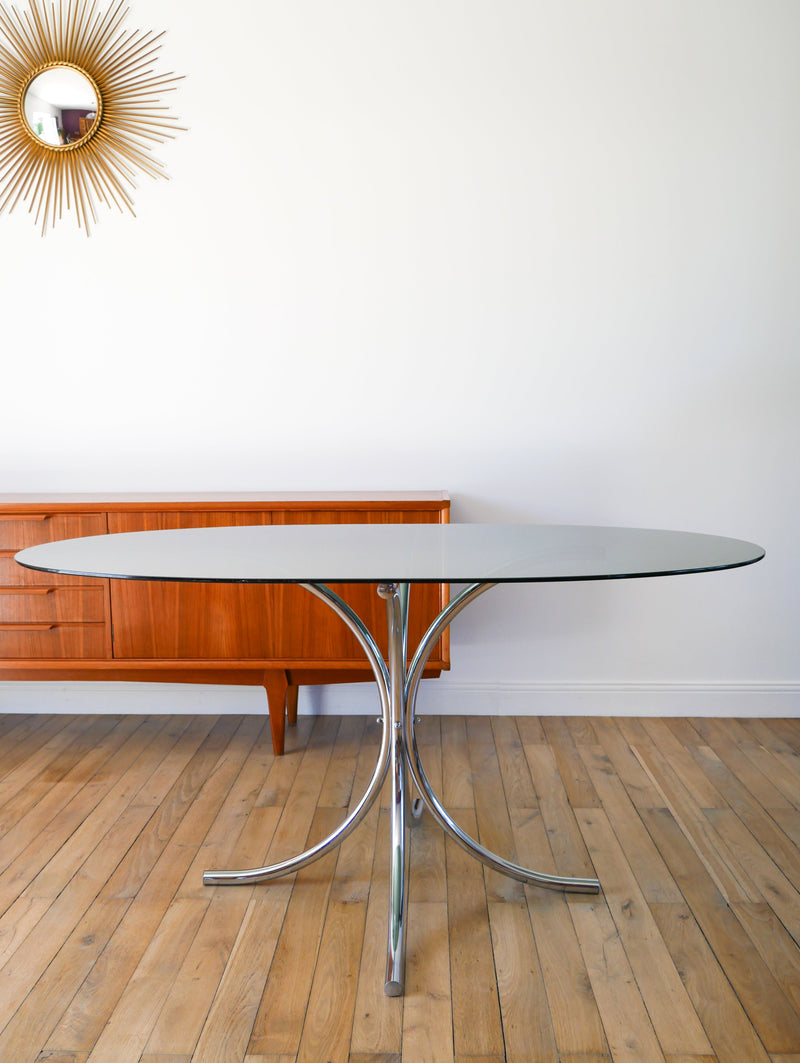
(18, 531)
(14, 575)
(44, 639)
(280, 623)
(25, 604)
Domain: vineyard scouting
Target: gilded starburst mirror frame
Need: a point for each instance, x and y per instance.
(99, 164)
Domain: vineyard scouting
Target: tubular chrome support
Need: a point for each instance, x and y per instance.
(432, 802)
(414, 805)
(295, 863)
(397, 622)
(398, 685)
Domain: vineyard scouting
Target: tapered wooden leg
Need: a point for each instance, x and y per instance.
(291, 704)
(276, 685)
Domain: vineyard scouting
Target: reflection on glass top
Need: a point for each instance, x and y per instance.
(407, 553)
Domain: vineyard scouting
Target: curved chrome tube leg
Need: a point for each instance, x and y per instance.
(388, 738)
(437, 810)
(397, 619)
(414, 806)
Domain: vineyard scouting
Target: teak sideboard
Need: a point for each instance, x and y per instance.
(272, 635)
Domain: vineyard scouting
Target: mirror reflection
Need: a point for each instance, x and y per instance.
(61, 106)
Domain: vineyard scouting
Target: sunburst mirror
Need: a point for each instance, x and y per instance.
(80, 109)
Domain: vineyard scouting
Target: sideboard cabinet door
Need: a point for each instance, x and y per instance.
(269, 622)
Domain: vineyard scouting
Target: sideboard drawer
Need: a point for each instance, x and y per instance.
(18, 530)
(14, 575)
(38, 604)
(166, 521)
(56, 640)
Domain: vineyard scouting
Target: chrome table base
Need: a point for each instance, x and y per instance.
(397, 688)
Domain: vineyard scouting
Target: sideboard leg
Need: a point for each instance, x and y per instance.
(291, 703)
(276, 685)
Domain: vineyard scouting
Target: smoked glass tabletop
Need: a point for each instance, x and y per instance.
(401, 553)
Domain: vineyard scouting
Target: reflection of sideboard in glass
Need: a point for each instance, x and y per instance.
(276, 636)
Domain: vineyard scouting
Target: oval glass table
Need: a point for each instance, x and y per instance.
(394, 557)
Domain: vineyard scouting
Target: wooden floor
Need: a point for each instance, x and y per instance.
(112, 950)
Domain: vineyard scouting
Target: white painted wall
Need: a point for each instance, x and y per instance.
(542, 255)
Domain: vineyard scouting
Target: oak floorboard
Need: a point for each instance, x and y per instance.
(566, 843)
(356, 1057)
(34, 1019)
(718, 862)
(513, 766)
(493, 822)
(729, 1029)
(768, 1009)
(260, 1059)
(34, 755)
(528, 1032)
(188, 1001)
(675, 1021)
(328, 1025)
(171, 1057)
(755, 818)
(641, 853)
(65, 775)
(683, 1058)
(573, 1010)
(630, 1033)
(126, 1033)
(427, 1032)
(574, 777)
(776, 946)
(69, 1057)
(769, 877)
(594, 1057)
(281, 1014)
(353, 876)
(456, 771)
(477, 1026)
(111, 948)
(377, 1020)
(665, 748)
(226, 1032)
(149, 874)
(721, 736)
(26, 849)
(629, 770)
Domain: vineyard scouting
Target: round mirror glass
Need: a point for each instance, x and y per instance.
(61, 106)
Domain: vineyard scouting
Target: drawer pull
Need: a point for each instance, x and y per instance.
(27, 627)
(26, 516)
(26, 590)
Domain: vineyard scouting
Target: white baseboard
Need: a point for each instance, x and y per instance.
(614, 699)
(437, 697)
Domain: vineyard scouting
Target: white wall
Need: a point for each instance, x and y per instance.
(542, 255)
